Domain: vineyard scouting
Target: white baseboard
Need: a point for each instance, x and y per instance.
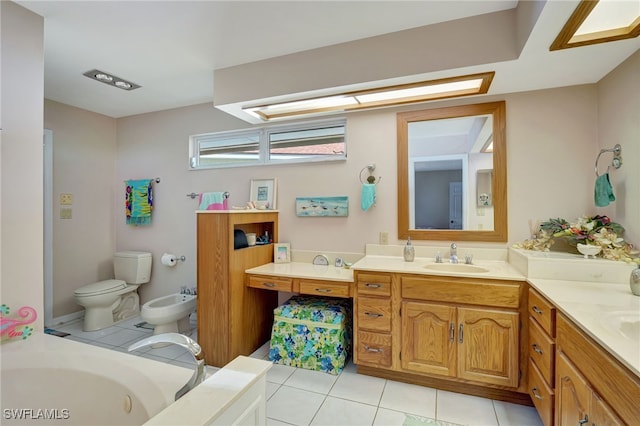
(65, 318)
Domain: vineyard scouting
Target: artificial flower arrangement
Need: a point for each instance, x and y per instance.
(594, 230)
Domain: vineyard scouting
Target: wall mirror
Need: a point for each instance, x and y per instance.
(452, 173)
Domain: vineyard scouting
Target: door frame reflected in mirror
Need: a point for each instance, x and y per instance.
(499, 183)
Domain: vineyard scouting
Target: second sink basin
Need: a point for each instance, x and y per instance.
(456, 267)
(626, 323)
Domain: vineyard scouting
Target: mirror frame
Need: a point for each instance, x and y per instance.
(499, 184)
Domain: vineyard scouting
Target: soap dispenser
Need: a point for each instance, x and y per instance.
(634, 281)
(409, 251)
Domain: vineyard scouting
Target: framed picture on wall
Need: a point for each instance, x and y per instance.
(263, 193)
(281, 253)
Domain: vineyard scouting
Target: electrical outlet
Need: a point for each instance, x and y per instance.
(66, 199)
(65, 213)
(384, 238)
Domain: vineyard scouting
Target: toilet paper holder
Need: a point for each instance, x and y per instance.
(171, 259)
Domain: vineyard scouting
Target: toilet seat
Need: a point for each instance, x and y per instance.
(101, 287)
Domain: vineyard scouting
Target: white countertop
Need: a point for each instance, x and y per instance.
(498, 269)
(304, 270)
(590, 305)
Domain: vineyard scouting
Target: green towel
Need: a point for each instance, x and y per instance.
(368, 196)
(603, 193)
(139, 202)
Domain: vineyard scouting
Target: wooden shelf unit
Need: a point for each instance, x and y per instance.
(233, 319)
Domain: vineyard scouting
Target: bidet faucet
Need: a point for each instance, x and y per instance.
(453, 254)
(186, 342)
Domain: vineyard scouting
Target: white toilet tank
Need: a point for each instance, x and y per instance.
(133, 267)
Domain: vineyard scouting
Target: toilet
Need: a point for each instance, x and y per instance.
(111, 301)
(169, 314)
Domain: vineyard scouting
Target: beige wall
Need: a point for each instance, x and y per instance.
(619, 122)
(552, 139)
(83, 165)
(21, 224)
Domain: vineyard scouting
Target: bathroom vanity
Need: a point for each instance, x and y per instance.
(550, 329)
(457, 332)
(585, 354)
(423, 326)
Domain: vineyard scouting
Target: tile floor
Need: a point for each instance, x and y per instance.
(302, 397)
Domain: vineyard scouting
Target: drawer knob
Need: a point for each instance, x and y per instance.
(372, 285)
(536, 310)
(270, 285)
(535, 393)
(373, 314)
(323, 290)
(370, 349)
(537, 349)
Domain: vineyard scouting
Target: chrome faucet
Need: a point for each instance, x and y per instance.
(186, 342)
(453, 254)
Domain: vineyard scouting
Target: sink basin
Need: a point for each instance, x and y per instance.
(624, 323)
(456, 267)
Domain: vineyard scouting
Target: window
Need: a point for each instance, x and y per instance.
(312, 141)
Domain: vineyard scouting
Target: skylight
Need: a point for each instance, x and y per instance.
(599, 22)
(377, 97)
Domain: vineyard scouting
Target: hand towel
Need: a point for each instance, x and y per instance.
(368, 196)
(603, 193)
(213, 201)
(139, 202)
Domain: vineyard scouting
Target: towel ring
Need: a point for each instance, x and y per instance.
(617, 158)
(371, 168)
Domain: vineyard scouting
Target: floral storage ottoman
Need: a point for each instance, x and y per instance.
(312, 333)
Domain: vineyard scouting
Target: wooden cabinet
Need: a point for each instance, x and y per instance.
(542, 328)
(578, 403)
(459, 334)
(479, 344)
(488, 346)
(233, 319)
(428, 338)
(574, 395)
(373, 319)
(592, 388)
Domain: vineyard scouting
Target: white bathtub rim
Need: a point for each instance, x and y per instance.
(157, 381)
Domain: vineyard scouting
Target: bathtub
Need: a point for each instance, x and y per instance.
(51, 380)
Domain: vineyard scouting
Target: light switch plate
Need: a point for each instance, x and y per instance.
(66, 199)
(65, 213)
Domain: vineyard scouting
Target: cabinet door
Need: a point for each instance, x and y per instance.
(602, 414)
(488, 346)
(572, 394)
(428, 336)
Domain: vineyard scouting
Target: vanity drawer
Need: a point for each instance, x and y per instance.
(374, 314)
(374, 349)
(324, 288)
(374, 284)
(471, 291)
(541, 395)
(271, 283)
(541, 350)
(543, 312)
